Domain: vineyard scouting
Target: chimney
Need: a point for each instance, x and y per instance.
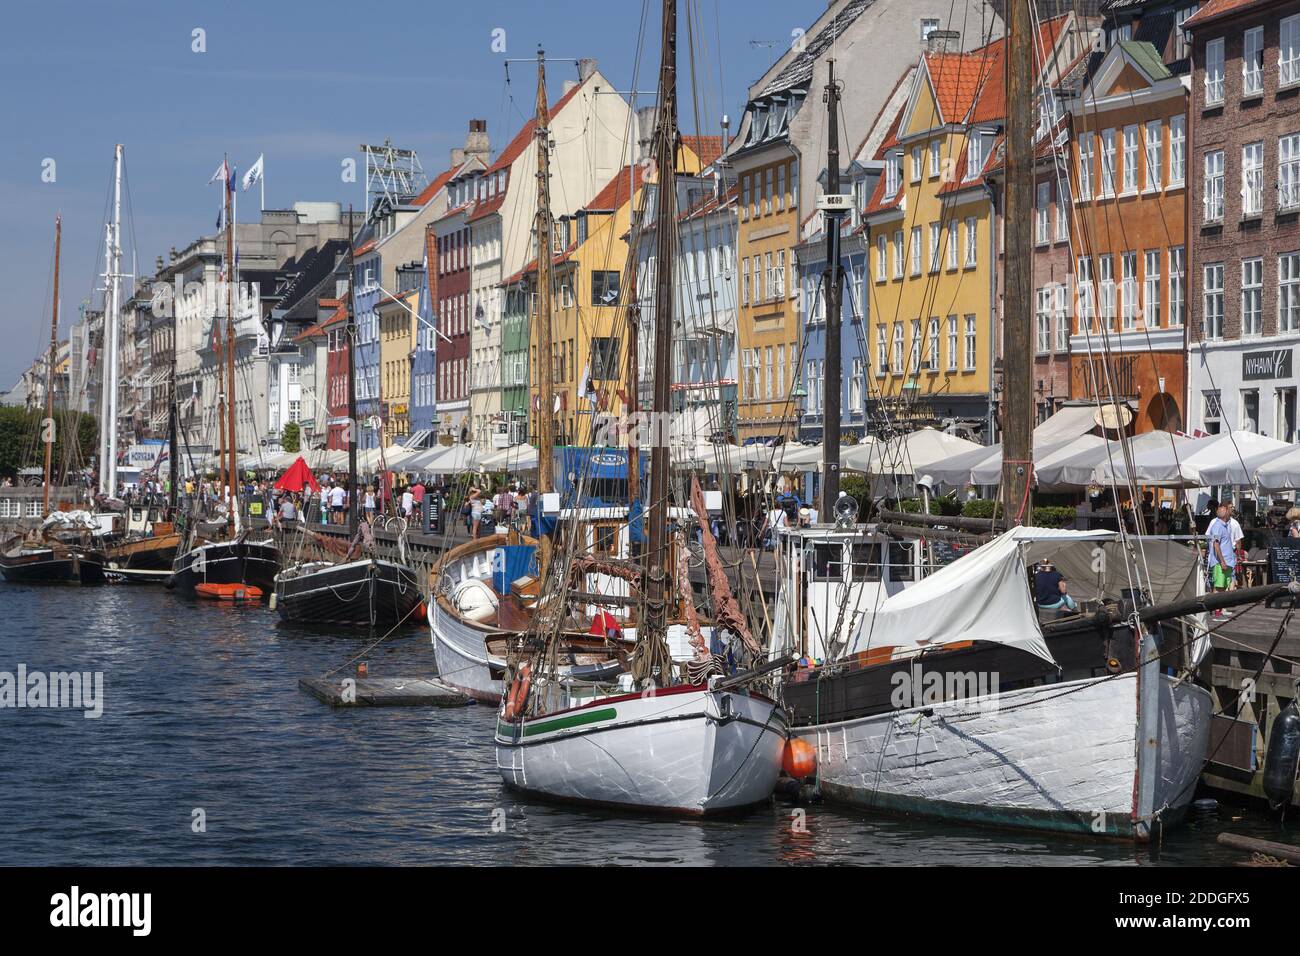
(646, 117)
(586, 67)
(476, 144)
(942, 41)
(158, 267)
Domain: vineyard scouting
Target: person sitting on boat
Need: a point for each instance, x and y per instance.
(1049, 590)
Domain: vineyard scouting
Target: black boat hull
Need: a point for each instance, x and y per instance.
(49, 567)
(357, 594)
(227, 562)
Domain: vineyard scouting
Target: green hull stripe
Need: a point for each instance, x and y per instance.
(560, 723)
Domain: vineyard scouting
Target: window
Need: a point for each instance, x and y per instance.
(952, 343)
(1062, 320)
(604, 287)
(932, 347)
(916, 163)
(1085, 166)
(1252, 62)
(779, 283)
(971, 353)
(1043, 321)
(1130, 159)
(1288, 171)
(1128, 290)
(1062, 210)
(768, 287)
(1212, 410)
(891, 175)
(914, 360)
(1252, 296)
(857, 385)
(744, 281)
(1087, 309)
(295, 410)
(935, 160)
(916, 250)
(1288, 53)
(952, 244)
(1106, 277)
(1284, 426)
(928, 26)
(1177, 287)
(1181, 50)
(1107, 163)
(974, 155)
(935, 243)
(1042, 213)
(882, 257)
(971, 243)
(1213, 290)
(780, 188)
(1177, 150)
(1250, 410)
(1213, 198)
(897, 364)
(1214, 72)
(1151, 289)
(898, 254)
(1288, 292)
(1252, 179)
(744, 197)
(882, 351)
(604, 358)
(768, 190)
(1154, 141)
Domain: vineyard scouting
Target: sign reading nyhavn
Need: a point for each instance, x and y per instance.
(1273, 364)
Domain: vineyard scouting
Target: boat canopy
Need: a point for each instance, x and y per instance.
(983, 597)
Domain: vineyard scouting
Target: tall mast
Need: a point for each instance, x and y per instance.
(349, 334)
(834, 279)
(1017, 332)
(173, 440)
(545, 370)
(47, 426)
(231, 345)
(653, 660)
(112, 276)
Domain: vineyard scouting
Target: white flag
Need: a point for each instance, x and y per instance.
(254, 174)
(220, 174)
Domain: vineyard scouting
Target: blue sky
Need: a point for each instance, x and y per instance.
(302, 82)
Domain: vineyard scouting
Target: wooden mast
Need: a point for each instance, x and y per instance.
(653, 661)
(47, 427)
(349, 333)
(834, 285)
(1017, 330)
(231, 345)
(543, 229)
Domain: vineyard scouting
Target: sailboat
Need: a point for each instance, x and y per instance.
(948, 693)
(218, 560)
(690, 739)
(367, 592)
(53, 559)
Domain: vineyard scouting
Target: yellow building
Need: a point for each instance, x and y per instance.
(931, 329)
(769, 330)
(397, 336)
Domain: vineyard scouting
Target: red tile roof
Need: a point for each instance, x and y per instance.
(365, 247)
(486, 207)
(1219, 8)
(517, 145)
(340, 314)
(616, 192)
(433, 188)
(707, 148)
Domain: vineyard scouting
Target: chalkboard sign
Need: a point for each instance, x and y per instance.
(432, 513)
(1284, 563)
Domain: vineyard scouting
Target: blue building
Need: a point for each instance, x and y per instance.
(424, 368)
(811, 257)
(365, 282)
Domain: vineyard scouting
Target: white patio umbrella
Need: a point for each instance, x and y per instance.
(1247, 456)
(515, 458)
(1079, 469)
(1281, 473)
(910, 454)
(1180, 467)
(444, 461)
(957, 471)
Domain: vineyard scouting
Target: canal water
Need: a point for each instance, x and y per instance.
(208, 753)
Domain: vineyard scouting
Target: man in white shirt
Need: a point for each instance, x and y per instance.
(408, 502)
(338, 504)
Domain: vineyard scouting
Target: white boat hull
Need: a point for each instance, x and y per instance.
(675, 751)
(1061, 757)
(460, 651)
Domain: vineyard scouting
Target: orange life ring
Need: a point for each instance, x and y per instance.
(518, 692)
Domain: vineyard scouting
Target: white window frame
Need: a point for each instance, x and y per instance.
(1288, 52)
(972, 344)
(1288, 292)
(972, 242)
(1151, 289)
(1213, 71)
(1212, 301)
(1107, 164)
(1252, 62)
(1130, 171)
(1177, 286)
(1153, 135)
(952, 343)
(1212, 200)
(1085, 166)
(1252, 180)
(1288, 171)
(1177, 151)
(882, 257)
(1252, 298)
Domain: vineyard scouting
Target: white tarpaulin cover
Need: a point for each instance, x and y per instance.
(1240, 469)
(1082, 468)
(1181, 467)
(983, 597)
(1068, 423)
(1282, 473)
(908, 455)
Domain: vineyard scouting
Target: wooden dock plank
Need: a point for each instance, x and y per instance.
(383, 692)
